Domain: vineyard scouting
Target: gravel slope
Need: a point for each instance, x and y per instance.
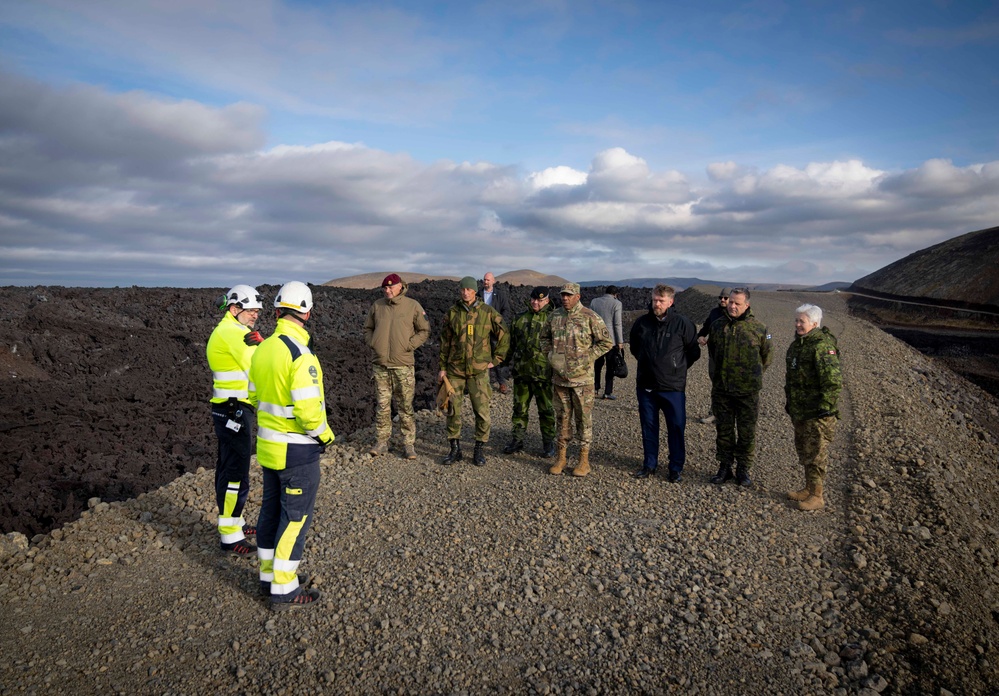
(506, 580)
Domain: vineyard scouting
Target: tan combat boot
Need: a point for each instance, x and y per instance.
(380, 448)
(799, 495)
(559, 464)
(814, 501)
(583, 468)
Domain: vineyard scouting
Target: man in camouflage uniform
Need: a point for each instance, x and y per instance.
(395, 328)
(573, 339)
(812, 388)
(532, 375)
(471, 328)
(740, 347)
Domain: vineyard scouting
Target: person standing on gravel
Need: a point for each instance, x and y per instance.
(573, 339)
(230, 351)
(286, 381)
(740, 347)
(473, 340)
(497, 297)
(664, 342)
(395, 328)
(532, 374)
(812, 386)
(609, 308)
(714, 315)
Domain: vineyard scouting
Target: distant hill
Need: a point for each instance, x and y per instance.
(532, 278)
(963, 271)
(829, 287)
(370, 281)
(684, 283)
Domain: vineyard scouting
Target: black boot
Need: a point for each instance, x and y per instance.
(513, 447)
(742, 476)
(724, 474)
(455, 454)
(478, 456)
(548, 449)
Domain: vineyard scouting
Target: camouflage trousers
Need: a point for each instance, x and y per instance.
(574, 404)
(811, 440)
(398, 383)
(735, 427)
(479, 393)
(541, 391)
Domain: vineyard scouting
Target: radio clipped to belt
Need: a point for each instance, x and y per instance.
(234, 411)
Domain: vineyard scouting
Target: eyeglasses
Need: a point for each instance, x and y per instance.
(723, 297)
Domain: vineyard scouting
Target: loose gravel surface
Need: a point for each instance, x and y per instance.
(504, 579)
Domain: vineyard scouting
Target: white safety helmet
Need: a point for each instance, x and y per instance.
(294, 295)
(245, 296)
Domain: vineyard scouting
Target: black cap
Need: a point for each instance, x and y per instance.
(539, 293)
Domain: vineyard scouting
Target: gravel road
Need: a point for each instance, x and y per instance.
(504, 579)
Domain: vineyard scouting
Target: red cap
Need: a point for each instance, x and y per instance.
(391, 279)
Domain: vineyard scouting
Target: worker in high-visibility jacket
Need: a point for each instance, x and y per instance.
(286, 383)
(230, 350)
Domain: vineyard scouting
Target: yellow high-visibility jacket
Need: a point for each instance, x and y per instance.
(286, 386)
(229, 360)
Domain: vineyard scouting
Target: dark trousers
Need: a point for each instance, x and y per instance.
(232, 467)
(598, 367)
(673, 406)
(735, 427)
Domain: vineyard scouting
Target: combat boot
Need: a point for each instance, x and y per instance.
(478, 456)
(583, 468)
(724, 474)
(513, 447)
(380, 448)
(742, 476)
(799, 495)
(560, 462)
(814, 501)
(548, 449)
(455, 454)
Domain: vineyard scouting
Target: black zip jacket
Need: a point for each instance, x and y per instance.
(664, 350)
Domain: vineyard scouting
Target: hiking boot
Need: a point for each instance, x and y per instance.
(513, 447)
(548, 449)
(410, 452)
(478, 456)
(814, 501)
(559, 464)
(583, 468)
(239, 548)
(742, 476)
(304, 599)
(455, 454)
(799, 495)
(265, 587)
(724, 475)
(379, 449)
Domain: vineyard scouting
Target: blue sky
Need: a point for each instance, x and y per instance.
(208, 143)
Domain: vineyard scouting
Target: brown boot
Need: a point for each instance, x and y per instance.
(814, 501)
(559, 464)
(799, 495)
(583, 468)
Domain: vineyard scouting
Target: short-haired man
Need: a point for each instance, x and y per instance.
(469, 333)
(532, 374)
(740, 346)
(812, 386)
(609, 308)
(573, 339)
(664, 342)
(498, 298)
(395, 328)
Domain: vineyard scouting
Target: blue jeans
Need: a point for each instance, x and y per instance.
(673, 406)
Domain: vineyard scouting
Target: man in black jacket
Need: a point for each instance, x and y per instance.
(497, 297)
(664, 342)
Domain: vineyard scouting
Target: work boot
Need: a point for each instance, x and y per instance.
(478, 456)
(455, 454)
(513, 447)
(306, 598)
(742, 476)
(240, 548)
(410, 452)
(724, 474)
(265, 587)
(814, 501)
(379, 449)
(583, 468)
(799, 495)
(560, 462)
(548, 449)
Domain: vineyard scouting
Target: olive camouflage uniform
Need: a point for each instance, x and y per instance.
(740, 349)
(573, 340)
(812, 387)
(466, 351)
(532, 374)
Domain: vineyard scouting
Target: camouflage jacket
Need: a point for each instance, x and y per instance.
(813, 380)
(740, 349)
(573, 340)
(466, 348)
(526, 357)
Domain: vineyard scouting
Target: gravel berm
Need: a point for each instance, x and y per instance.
(504, 579)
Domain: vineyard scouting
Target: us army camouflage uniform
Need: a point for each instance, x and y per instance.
(573, 340)
(399, 382)
(740, 349)
(532, 374)
(465, 356)
(812, 387)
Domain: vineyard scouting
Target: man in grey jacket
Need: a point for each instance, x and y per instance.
(609, 308)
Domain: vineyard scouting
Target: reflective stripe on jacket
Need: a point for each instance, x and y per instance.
(286, 385)
(229, 360)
